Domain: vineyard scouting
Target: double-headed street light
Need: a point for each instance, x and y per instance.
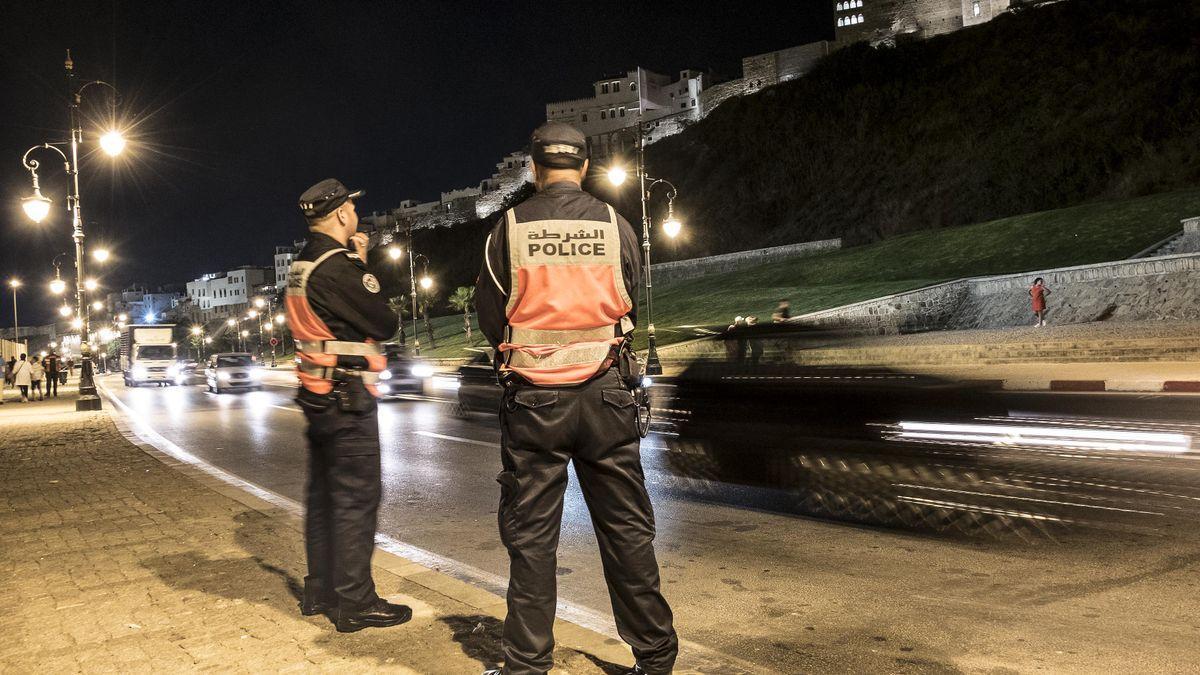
(37, 207)
(671, 226)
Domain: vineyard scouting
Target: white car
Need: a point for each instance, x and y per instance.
(236, 371)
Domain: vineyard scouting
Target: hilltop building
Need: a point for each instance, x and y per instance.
(225, 294)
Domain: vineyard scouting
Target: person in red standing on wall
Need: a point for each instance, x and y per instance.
(1038, 293)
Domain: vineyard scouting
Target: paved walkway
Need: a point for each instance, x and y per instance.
(114, 561)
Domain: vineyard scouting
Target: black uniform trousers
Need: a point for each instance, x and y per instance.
(592, 425)
(342, 499)
(52, 383)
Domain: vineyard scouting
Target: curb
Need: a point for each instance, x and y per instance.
(1084, 386)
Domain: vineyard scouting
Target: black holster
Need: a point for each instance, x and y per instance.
(629, 366)
(351, 394)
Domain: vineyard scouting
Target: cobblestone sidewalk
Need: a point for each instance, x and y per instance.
(113, 561)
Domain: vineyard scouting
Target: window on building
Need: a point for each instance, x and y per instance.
(603, 115)
(859, 18)
(633, 86)
(612, 112)
(840, 7)
(621, 111)
(604, 88)
(616, 86)
(683, 104)
(840, 24)
(977, 9)
(584, 117)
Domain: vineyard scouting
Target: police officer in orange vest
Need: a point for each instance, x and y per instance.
(337, 314)
(556, 299)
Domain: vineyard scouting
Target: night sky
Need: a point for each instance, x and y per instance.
(236, 108)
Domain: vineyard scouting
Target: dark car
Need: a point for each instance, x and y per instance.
(404, 374)
(864, 443)
(478, 390)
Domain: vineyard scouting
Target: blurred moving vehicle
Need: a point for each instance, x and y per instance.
(404, 374)
(189, 373)
(233, 371)
(879, 446)
(148, 355)
(478, 390)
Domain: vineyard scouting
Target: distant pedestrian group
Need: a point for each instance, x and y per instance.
(28, 374)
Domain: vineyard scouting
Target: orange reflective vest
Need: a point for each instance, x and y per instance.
(317, 349)
(567, 304)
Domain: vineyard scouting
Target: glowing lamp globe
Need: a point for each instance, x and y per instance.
(672, 226)
(36, 207)
(100, 254)
(231, 322)
(77, 323)
(58, 286)
(65, 310)
(112, 143)
(394, 252)
(196, 330)
(426, 283)
(90, 284)
(617, 175)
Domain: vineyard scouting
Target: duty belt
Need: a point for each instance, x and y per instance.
(336, 373)
(338, 347)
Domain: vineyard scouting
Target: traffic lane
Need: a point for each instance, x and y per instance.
(788, 592)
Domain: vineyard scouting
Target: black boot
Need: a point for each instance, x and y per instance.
(316, 600)
(378, 614)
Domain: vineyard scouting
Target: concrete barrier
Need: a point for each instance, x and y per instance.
(670, 272)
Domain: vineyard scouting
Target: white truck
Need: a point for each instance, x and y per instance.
(148, 355)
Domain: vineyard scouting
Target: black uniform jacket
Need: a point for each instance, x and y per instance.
(560, 201)
(339, 294)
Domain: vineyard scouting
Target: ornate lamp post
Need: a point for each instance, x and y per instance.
(37, 207)
(671, 225)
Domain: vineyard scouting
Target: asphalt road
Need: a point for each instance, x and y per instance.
(746, 578)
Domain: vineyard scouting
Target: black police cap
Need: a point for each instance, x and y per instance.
(558, 145)
(322, 198)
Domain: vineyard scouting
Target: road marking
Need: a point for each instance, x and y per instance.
(471, 441)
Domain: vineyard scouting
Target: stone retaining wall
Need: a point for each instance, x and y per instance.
(1142, 289)
(669, 272)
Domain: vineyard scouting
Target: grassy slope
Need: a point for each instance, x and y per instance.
(1073, 236)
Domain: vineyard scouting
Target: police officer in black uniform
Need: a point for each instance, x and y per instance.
(590, 422)
(335, 307)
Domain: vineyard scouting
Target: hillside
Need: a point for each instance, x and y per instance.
(1078, 235)
(1040, 109)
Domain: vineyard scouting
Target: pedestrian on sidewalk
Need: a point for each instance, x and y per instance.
(561, 317)
(1038, 293)
(8, 371)
(23, 376)
(50, 365)
(35, 378)
(338, 315)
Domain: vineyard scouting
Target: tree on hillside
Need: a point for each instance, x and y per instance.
(463, 300)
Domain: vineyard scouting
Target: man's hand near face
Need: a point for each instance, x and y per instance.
(359, 240)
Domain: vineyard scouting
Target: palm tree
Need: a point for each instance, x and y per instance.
(463, 300)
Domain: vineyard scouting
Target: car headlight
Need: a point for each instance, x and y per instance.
(385, 374)
(173, 370)
(383, 388)
(422, 370)
(223, 374)
(257, 373)
(647, 382)
(140, 372)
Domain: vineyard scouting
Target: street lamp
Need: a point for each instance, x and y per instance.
(37, 207)
(15, 284)
(394, 252)
(90, 284)
(64, 311)
(426, 282)
(672, 226)
(101, 255)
